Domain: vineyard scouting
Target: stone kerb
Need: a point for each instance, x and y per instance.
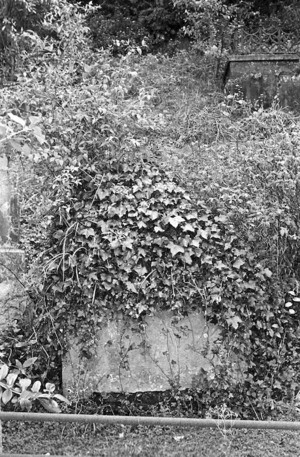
(160, 353)
(12, 294)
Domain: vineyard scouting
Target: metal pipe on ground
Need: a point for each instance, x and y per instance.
(146, 421)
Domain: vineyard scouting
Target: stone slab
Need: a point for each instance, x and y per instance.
(265, 79)
(155, 355)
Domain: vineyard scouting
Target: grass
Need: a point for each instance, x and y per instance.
(113, 441)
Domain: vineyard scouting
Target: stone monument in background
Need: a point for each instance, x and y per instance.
(12, 293)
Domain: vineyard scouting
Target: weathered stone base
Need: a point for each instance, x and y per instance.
(155, 355)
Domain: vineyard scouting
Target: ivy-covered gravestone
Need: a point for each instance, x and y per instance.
(129, 252)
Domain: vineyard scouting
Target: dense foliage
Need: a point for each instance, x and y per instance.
(127, 238)
(149, 25)
(17, 387)
(99, 145)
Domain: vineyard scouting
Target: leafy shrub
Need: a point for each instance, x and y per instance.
(106, 113)
(210, 24)
(123, 26)
(111, 33)
(21, 20)
(17, 387)
(249, 171)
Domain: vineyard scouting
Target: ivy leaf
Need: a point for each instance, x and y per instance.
(175, 220)
(93, 276)
(103, 226)
(234, 321)
(131, 287)
(153, 214)
(141, 224)
(188, 228)
(222, 218)
(102, 194)
(87, 232)
(267, 272)
(175, 248)
(127, 243)
(190, 216)
(141, 271)
(187, 258)
(238, 263)
(142, 252)
(203, 233)
(157, 229)
(195, 242)
(115, 244)
(220, 265)
(141, 308)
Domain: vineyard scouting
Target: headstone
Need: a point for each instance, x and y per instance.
(4, 200)
(264, 78)
(12, 294)
(160, 353)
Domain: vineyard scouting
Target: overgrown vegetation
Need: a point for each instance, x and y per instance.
(143, 186)
(17, 387)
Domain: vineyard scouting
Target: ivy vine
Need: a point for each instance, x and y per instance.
(128, 239)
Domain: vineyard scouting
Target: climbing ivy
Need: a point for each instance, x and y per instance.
(129, 239)
(126, 238)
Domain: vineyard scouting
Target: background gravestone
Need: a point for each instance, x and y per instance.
(12, 294)
(264, 78)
